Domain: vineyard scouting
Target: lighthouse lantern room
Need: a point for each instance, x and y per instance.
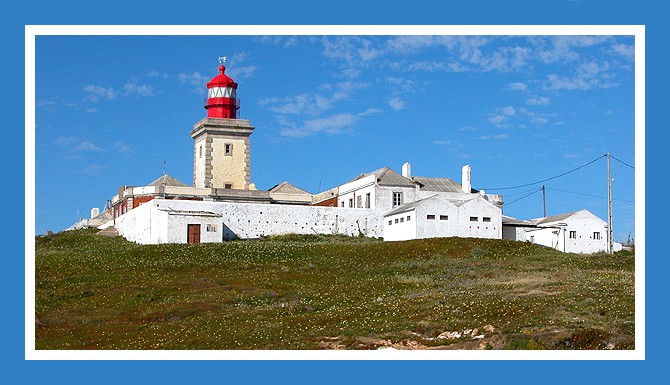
(222, 101)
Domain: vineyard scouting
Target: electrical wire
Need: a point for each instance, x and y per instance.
(588, 195)
(525, 196)
(548, 179)
(621, 161)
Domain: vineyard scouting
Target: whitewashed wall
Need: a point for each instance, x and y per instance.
(438, 217)
(165, 221)
(143, 224)
(480, 208)
(401, 226)
(585, 224)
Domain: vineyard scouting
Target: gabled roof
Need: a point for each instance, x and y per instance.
(287, 188)
(516, 222)
(167, 180)
(439, 184)
(412, 205)
(553, 218)
(386, 177)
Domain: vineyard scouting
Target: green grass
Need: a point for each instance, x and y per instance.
(323, 292)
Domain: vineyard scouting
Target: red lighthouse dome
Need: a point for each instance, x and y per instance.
(222, 99)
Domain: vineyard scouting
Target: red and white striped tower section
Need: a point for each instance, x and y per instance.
(221, 156)
(222, 99)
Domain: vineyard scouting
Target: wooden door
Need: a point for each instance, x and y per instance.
(193, 233)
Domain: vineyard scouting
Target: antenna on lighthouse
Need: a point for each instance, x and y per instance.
(222, 60)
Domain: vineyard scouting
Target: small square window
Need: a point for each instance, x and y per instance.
(596, 235)
(229, 149)
(573, 234)
(396, 220)
(444, 217)
(402, 220)
(430, 216)
(486, 219)
(409, 218)
(390, 222)
(211, 228)
(228, 186)
(474, 219)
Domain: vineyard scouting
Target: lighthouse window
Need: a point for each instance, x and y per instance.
(229, 149)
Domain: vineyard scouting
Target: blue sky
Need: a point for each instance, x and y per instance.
(110, 110)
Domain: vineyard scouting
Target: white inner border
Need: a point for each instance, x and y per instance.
(31, 31)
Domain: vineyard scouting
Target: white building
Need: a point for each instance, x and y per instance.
(575, 232)
(437, 216)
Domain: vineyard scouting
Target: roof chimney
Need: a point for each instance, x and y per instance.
(406, 170)
(467, 183)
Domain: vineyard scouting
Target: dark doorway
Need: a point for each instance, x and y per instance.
(193, 233)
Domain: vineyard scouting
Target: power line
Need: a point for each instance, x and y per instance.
(548, 179)
(588, 195)
(525, 196)
(621, 161)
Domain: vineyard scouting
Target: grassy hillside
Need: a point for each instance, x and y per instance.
(322, 292)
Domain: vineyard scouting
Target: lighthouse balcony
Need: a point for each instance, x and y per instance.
(222, 102)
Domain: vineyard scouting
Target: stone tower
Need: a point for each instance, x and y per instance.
(221, 154)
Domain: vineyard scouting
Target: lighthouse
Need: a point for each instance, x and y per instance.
(221, 153)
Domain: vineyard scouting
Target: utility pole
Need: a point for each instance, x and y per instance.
(544, 202)
(610, 233)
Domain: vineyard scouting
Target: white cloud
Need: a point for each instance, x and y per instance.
(538, 101)
(138, 89)
(196, 79)
(369, 111)
(428, 66)
(396, 103)
(93, 169)
(157, 74)
(517, 86)
(334, 124)
(313, 104)
(96, 92)
(625, 50)
(122, 147)
(497, 136)
(87, 146)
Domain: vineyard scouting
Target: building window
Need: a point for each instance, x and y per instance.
(486, 219)
(473, 219)
(532, 238)
(573, 235)
(228, 149)
(402, 219)
(396, 220)
(367, 200)
(409, 218)
(351, 202)
(342, 204)
(444, 217)
(211, 228)
(228, 186)
(359, 201)
(390, 222)
(596, 235)
(200, 151)
(397, 199)
(429, 216)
